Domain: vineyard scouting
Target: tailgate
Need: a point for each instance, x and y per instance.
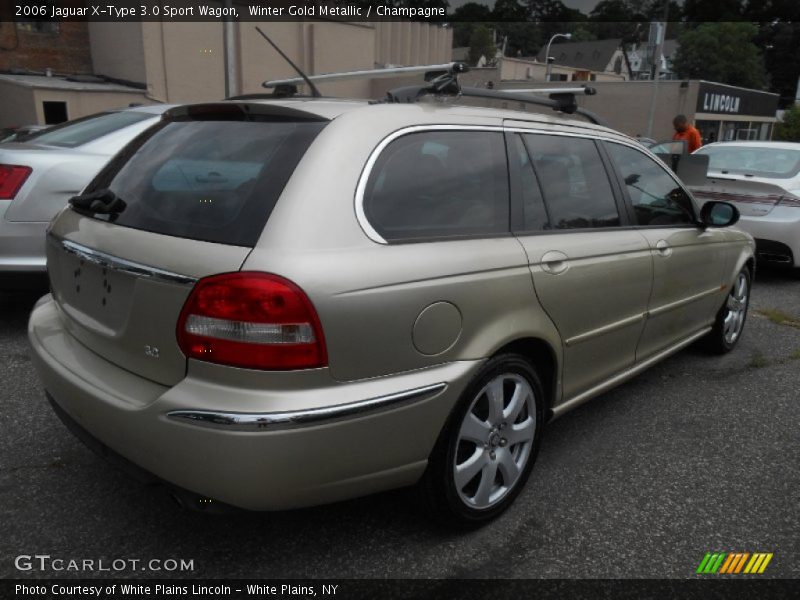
(193, 195)
(115, 301)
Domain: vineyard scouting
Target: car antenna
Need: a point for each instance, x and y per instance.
(314, 91)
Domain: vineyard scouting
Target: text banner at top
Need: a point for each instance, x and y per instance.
(235, 10)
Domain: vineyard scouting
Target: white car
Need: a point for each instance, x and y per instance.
(40, 174)
(763, 180)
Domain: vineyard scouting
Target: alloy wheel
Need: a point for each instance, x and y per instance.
(495, 441)
(736, 310)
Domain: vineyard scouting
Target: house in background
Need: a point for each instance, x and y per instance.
(600, 56)
(640, 58)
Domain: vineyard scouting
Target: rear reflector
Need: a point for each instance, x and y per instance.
(251, 320)
(11, 179)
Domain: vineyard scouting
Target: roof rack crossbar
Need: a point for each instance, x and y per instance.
(563, 102)
(584, 89)
(442, 80)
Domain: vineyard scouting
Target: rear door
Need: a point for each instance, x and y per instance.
(197, 192)
(688, 259)
(591, 275)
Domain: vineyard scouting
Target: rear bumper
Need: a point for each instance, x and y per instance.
(777, 235)
(247, 449)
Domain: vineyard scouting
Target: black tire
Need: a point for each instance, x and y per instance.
(718, 341)
(439, 482)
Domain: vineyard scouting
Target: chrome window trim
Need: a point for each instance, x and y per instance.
(119, 264)
(361, 215)
(234, 421)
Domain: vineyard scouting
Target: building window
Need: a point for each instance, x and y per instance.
(54, 112)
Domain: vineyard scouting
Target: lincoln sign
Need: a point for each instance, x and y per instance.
(726, 99)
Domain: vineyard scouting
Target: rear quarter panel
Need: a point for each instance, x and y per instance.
(369, 295)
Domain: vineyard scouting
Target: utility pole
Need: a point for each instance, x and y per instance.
(657, 70)
(231, 62)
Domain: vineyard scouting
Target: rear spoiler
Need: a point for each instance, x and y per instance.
(239, 110)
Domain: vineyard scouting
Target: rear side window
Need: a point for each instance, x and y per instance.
(82, 131)
(439, 184)
(574, 181)
(656, 197)
(209, 180)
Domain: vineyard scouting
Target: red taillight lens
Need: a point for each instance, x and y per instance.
(251, 320)
(11, 179)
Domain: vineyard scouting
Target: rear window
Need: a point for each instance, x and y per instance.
(208, 180)
(82, 131)
(780, 163)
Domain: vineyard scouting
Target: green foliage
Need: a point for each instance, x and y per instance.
(481, 44)
(781, 43)
(722, 52)
(788, 130)
(582, 33)
(698, 11)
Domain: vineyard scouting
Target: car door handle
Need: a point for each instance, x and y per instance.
(555, 262)
(663, 248)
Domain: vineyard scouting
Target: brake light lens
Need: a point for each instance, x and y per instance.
(11, 179)
(251, 320)
(789, 199)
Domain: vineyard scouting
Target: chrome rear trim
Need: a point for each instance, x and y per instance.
(232, 421)
(119, 264)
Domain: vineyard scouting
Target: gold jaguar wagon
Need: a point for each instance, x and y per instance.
(280, 303)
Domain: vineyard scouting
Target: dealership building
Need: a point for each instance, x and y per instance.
(721, 112)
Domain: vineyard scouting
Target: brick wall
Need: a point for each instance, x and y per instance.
(64, 48)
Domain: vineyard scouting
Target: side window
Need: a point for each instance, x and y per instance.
(439, 184)
(656, 197)
(574, 181)
(534, 213)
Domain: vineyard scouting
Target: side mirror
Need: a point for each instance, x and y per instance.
(719, 214)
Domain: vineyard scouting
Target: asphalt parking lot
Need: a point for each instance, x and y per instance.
(699, 454)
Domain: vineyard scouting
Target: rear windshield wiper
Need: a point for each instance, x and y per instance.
(102, 201)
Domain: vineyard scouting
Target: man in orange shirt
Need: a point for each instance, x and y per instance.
(686, 132)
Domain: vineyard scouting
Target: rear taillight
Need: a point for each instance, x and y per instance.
(251, 320)
(11, 179)
(789, 200)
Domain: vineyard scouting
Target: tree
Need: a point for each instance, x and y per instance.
(722, 52)
(465, 18)
(616, 19)
(551, 17)
(788, 130)
(524, 37)
(781, 44)
(700, 11)
(582, 33)
(481, 44)
(509, 10)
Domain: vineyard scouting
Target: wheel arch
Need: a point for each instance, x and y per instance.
(543, 359)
